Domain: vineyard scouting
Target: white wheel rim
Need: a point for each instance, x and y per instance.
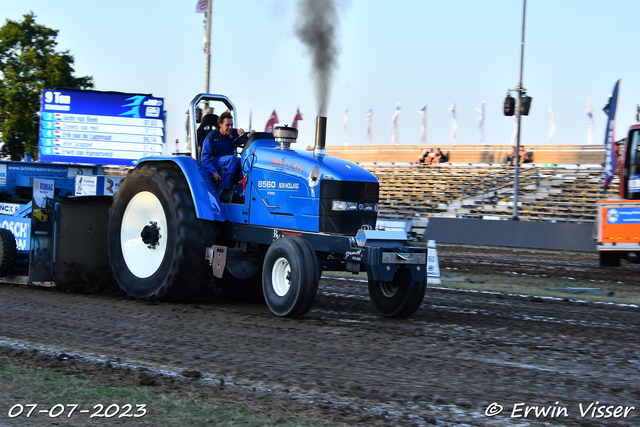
(144, 208)
(280, 277)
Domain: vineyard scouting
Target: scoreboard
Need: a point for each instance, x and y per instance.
(101, 128)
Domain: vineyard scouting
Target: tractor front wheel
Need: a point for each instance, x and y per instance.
(290, 276)
(398, 298)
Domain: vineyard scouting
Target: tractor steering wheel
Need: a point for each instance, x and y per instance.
(235, 140)
(236, 146)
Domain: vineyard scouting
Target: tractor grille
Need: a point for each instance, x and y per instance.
(347, 222)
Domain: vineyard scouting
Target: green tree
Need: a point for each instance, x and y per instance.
(29, 64)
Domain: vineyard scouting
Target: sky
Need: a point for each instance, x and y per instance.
(406, 52)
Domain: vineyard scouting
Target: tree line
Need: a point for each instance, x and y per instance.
(29, 63)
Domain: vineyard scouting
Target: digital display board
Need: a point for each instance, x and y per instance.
(102, 128)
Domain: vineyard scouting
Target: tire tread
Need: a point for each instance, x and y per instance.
(7, 251)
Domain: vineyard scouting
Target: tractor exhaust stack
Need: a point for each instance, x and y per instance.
(321, 135)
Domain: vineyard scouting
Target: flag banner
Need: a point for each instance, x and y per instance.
(201, 6)
(394, 125)
(296, 118)
(345, 116)
(250, 114)
(369, 118)
(552, 122)
(611, 153)
(480, 109)
(423, 124)
(590, 127)
(204, 35)
(454, 123)
(271, 123)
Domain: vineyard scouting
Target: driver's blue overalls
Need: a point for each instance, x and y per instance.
(217, 156)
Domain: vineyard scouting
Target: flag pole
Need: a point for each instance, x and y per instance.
(517, 156)
(208, 67)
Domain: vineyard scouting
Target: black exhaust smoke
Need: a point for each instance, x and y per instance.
(316, 28)
(321, 135)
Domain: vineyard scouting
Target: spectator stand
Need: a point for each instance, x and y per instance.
(565, 193)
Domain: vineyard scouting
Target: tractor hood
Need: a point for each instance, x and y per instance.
(267, 155)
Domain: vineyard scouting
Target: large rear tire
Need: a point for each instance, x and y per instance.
(290, 277)
(398, 298)
(7, 251)
(156, 244)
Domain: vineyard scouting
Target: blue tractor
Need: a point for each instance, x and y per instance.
(296, 214)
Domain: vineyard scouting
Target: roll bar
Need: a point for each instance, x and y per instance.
(193, 126)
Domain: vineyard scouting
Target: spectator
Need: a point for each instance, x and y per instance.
(494, 199)
(510, 159)
(427, 156)
(431, 157)
(441, 157)
(522, 153)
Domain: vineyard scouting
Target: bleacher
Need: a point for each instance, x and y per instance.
(559, 193)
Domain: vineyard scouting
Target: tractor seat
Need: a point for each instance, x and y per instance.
(207, 124)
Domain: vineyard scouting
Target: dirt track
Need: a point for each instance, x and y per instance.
(445, 365)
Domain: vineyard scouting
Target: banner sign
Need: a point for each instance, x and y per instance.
(21, 229)
(100, 128)
(623, 216)
(611, 152)
(41, 251)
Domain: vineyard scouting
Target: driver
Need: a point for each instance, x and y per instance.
(217, 151)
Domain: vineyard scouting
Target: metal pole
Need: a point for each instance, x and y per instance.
(209, 18)
(516, 180)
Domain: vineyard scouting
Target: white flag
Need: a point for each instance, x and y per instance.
(454, 123)
(552, 122)
(423, 126)
(590, 127)
(345, 115)
(394, 125)
(201, 6)
(480, 109)
(205, 40)
(369, 118)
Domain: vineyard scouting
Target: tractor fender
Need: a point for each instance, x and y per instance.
(204, 195)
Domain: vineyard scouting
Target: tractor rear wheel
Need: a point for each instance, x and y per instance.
(290, 276)
(156, 244)
(399, 298)
(7, 251)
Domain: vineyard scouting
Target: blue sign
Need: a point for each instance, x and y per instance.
(100, 128)
(623, 216)
(21, 229)
(634, 183)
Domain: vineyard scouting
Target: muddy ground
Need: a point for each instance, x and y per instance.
(460, 357)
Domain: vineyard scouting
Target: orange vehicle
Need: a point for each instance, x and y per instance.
(618, 220)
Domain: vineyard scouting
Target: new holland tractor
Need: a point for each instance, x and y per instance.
(295, 214)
